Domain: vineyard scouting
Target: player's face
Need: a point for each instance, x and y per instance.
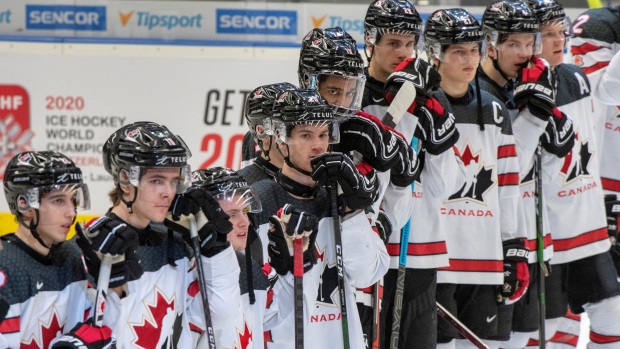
(391, 50)
(553, 39)
(459, 62)
(236, 208)
(56, 214)
(156, 190)
(513, 54)
(307, 141)
(338, 90)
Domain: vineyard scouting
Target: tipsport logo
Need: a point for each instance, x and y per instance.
(146, 19)
(15, 132)
(349, 25)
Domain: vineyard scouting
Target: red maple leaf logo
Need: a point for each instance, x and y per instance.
(245, 337)
(49, 331)
(568, 159)
(148, 332)
(320, 255)
(468, 157)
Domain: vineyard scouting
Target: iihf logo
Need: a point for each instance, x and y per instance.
(132, 135)
(15, 132)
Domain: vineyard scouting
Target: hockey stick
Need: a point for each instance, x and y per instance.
(298, 272)
(102, 289)
(376, 306)
(339, 266)
(201, 278)
(540, 249)
(463, 330)
(401, 102)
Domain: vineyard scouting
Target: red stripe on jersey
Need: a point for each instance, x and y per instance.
(10, 325)
(269, 298)
(570, 315)
(474, 265)
(581, 240)
(531, 244)
(506, 151)
(430, 248)
(194, 328)
(508, 179)
(603, 339)
(610, 184)
(86, 314)
(565, 338)
(585, 48)
(532, 343)
(267, 337)
(193, 289)
(366, 289)
(591, 69)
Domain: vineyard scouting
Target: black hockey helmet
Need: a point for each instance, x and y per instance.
(31, 174)
(391, 17)
(329, 62)
(259, 107)
(142, 145)
(226, 184)
(505, 17)
(297, 107)
(550, 11)
(451, 26)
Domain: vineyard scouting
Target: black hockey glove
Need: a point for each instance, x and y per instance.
(407, 168)
(436, 129)
(357, 192)
(106, 235)
(366, 134)
(612, 207)
(288, 225)
(559, 136)
(211, 221)
(516, 272)
(423, 76)
(535, 89)
(86, 336)
(384, 226)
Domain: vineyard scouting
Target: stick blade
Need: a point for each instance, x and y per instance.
(403, 99)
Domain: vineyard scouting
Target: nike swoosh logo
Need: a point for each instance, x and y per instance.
(377, 100)
(489, 319)
(39, 285)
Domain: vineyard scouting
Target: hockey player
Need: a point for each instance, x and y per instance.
(525, 84)
(483, 212)
(596, 50)
(330, 63)
(304, 127)
(43, 284)
(160, 307)
(392, 33)
(258, 110)
(261, 306)
(582, 274)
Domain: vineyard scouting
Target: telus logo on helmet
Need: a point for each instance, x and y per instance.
(68, 176)
(15, 133)
(164, 160)
(524, 26)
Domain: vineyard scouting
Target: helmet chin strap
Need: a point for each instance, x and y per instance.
(288, 161)
(496, 66)
(129, 204)
(33, 229)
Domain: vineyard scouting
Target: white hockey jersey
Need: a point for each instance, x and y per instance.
(441, 175)
(45, 296)
(574, 198)
(163, 309)
(483, 211)
(527, 130)
(596, 50)
(365, 261)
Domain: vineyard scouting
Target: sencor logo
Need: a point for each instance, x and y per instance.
(232, 21)
(66, 17)
(149, 20)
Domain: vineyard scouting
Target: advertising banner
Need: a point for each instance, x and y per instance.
(72, 103)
